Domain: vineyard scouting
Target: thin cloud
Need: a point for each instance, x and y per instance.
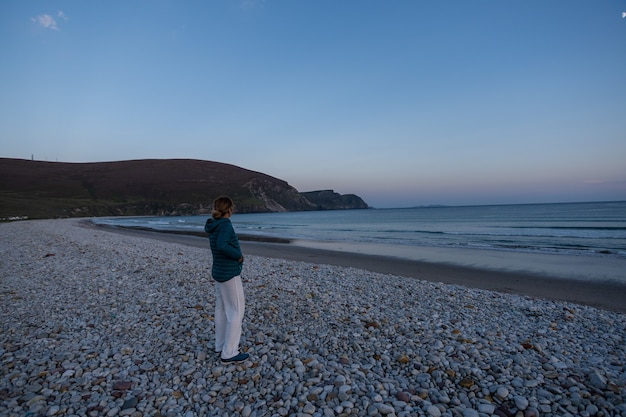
(49, 22)
(250, 4)
(46, 21)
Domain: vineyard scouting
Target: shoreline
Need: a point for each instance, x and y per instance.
(607, 295)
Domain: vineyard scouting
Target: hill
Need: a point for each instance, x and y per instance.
(330, 200)
(37, 189)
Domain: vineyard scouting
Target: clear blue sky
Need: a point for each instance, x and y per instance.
(401, 102)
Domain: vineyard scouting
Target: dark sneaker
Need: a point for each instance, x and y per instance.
(235, 359)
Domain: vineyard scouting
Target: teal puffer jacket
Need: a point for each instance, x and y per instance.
(225, 249)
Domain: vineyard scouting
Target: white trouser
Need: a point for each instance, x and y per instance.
(229, 309)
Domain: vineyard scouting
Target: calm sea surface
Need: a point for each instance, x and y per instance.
(597, 229)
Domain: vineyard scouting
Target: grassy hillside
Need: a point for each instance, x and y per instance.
(141, 187)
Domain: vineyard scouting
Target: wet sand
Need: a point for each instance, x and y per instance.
(608, 295)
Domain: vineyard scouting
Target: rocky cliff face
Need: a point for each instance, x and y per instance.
(161, 187)
(277, 197)
(330, 200)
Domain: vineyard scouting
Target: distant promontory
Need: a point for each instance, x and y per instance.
(147, 187)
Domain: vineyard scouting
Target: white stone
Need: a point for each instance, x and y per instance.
(433, 411)
(470, 412)
(486, 408)
(502, 392)
(520, 402)
(384, 409)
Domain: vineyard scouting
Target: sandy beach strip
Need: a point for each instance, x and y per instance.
(607, 295)
(97, 323)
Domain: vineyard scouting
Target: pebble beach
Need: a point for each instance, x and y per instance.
(94, 323)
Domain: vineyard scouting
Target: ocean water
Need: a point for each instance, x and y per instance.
(595, 229)
(569, 240)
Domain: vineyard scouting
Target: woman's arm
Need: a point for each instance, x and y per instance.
(228, 244)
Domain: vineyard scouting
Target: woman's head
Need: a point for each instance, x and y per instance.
(222, 207)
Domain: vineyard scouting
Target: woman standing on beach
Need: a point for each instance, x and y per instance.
(226, 271)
